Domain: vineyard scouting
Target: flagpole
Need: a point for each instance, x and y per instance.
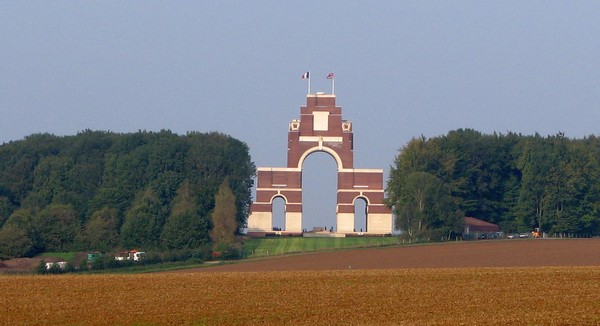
(333, 85)
(309, 82)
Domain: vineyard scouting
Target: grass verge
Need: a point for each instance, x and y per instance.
(260, 247)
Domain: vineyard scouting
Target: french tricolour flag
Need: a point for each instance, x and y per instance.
(305, 75)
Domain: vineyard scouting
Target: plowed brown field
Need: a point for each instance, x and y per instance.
(482, 292)
(502, 253)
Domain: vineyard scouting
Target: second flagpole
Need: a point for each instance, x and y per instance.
(333, 86)
(332, 77)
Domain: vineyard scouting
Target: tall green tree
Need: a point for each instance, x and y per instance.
(212, 158)
(143, 222)
(185, 227)
(57, 226)
(102, 230)
(562, 180)
(224, 217)
(6, 208)
(15, 242)
(24, 219)
(425, 204)
(481, 168)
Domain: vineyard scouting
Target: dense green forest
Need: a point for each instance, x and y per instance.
(107, 191)
(519, 182)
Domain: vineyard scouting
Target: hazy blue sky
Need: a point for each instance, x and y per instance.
(403, 69)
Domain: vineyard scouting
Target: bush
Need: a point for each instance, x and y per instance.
(424, 236)
(54, 269)
(41, 267)
(98, 264)
(199, 254)
(231, 252)
(83, 265)
(202, 253)
(177, 255)
(153, 258)
(108, 261)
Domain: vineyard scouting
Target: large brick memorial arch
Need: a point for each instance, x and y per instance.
(320, 129)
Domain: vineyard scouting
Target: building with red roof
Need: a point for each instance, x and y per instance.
(474, 228)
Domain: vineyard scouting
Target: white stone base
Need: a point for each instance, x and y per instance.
(345, 222)
(376, 223)
(293, 222)
(379, 223)
(260, 222)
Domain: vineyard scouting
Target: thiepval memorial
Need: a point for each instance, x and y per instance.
(320, 128)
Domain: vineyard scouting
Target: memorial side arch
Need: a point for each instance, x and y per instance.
(320, 129)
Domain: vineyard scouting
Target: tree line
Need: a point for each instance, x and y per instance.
(518, 182)
(162, 191)
(107, 191)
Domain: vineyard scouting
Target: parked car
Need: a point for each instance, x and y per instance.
(487, 236)
(512, 236)
(524, 235)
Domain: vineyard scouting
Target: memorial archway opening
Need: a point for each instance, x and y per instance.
(278, 210)
(319, 191)
(360, 214)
